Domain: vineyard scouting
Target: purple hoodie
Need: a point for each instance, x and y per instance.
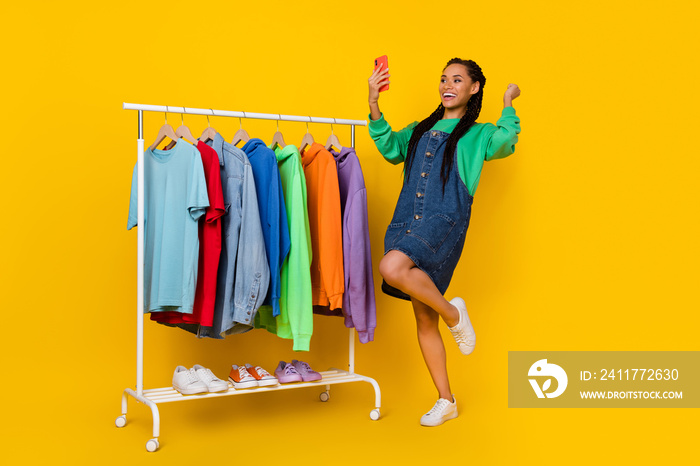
(359, 306)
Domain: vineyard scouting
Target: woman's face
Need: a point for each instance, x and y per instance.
(456, 87)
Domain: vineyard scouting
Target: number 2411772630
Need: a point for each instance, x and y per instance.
(639, 374)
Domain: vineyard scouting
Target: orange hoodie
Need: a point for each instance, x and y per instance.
(327, 281)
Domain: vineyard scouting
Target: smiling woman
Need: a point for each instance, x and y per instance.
(424, 241)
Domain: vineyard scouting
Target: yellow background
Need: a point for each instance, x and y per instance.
(585, 239)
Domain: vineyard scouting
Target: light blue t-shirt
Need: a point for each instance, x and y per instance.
(175, 198)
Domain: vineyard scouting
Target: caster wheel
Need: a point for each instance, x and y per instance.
(120, 421)
(324, 396)
(374, 414)
(152, 445)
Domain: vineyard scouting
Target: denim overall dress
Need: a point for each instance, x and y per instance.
(429, 226)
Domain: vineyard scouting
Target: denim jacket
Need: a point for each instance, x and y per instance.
(244, 274)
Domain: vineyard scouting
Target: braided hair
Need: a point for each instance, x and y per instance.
(466, 122)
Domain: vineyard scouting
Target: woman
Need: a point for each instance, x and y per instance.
(424, 241)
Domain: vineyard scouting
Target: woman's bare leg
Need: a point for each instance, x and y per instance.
(432, 347)
(401, 272)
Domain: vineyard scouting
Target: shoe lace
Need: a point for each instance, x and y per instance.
(290, 369)
(262, 372)
(192, 376)
(243, 372)
(206, 375)
(440, 405)
(304, 366)
(461, 337)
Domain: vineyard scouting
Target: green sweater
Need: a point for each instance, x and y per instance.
(483, 141)
(296, 310)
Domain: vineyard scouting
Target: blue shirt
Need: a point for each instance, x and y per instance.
(273, 214)
(175, 196)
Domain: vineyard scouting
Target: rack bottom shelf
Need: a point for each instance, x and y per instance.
(329, 377)
(155, 396)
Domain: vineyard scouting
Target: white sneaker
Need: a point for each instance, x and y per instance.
(186, 381)
(463, 332)
(441, 412)
(213, 383)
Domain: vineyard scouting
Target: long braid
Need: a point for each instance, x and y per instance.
(464, 124)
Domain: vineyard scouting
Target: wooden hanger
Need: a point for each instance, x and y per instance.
(182, 132)
(209, 132)
(278, 139)
(333, 141)
(241, 135)
(165, 131)
(308, 139)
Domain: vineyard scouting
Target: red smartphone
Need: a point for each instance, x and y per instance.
(383, 60)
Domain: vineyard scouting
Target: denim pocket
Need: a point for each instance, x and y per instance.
(434, 231)
(392, 234)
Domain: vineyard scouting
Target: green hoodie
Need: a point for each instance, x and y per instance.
(296, 311)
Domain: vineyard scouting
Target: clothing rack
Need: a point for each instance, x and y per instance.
(153, 397)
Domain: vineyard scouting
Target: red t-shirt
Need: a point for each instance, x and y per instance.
(209, 248)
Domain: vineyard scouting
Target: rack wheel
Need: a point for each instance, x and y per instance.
(324, 396)
(120, 421)
(152, 445)
(374, 414)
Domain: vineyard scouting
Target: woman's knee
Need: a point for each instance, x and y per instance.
(393, 266)
(388, 270)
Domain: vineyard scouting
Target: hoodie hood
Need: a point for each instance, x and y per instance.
(286, 152)
(253, 146)
(341, 157)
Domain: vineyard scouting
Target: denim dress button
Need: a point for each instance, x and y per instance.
(417, 217)
(419, 195)
(424, 175)
(434, 133)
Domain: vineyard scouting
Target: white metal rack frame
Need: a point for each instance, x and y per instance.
(153, 397)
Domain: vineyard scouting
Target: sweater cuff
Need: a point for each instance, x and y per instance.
(377, 126)
(336, 301)
(301, 342)
(508, 111)
(366, 335)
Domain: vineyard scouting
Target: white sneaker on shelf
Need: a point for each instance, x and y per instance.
(463, 332)
(444, 410)
(213, 383)
(186, 382)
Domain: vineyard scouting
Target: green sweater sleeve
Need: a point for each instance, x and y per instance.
(501, 139)
(393, 145)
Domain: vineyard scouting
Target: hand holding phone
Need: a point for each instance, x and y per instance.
(382, 61)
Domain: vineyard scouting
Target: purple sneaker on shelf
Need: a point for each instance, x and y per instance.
(286, 373)
(307, 374)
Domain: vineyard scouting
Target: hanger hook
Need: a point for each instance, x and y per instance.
(332, 129)
(182, 117)
(240, 122)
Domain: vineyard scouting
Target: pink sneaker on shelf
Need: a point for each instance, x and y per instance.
(307, 374)
(286, 373)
